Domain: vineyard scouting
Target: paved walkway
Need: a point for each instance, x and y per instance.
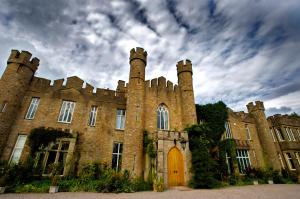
(244, 192)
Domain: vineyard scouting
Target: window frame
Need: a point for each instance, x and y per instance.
(120, 118)
(281, 161)
(289, 160)
(32, 108)
(243, 158)
(162, 117)
(119, 154)
(3, 107)
(292, 134)
(288, 133)
(297, 155)
(63, 111)
(47, 150)
(280, 135)
(93, 116)
(272, 134)
(228, 133)
(16, 148)
(248, 133)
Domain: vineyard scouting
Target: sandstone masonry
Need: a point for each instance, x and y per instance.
(109, 125)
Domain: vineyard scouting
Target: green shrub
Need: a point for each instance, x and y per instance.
(33, 187)
(138, 184)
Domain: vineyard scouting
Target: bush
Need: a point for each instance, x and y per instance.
(138, 184)
(41, 186)
(90, 171)
(19, 173)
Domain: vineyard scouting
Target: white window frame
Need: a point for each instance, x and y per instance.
(272, 134)
(279, 135)
(243, 159)
(288, 133)
(16, 148)
(228, 134)
(31, 111)
(120, 119)
(288, 160)
(93, 116)
(3, 108)
(292, 134)
(66, 111)
(118, 154)
(162, 117)
(248, 133)
(281, 161)
(298, 157)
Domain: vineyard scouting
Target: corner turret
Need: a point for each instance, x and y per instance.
(257, 111)
(14, 83)
(184, 66)
(185, 83)
(138, 53)
(24, 59)
(133, 134)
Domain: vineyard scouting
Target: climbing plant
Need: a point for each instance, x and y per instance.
(41, 137)
(207, 148)
(150, 150)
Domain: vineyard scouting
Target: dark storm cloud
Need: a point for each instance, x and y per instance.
(280, 110)
(241, 50)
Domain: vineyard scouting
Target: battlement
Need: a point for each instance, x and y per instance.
(138, 53)
(255, 107)
(160, 83)
(44, 85)
(184, 66)
(121, 88)
(24, 59)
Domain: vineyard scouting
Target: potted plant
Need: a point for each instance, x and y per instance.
(2, 184)
(54, 176)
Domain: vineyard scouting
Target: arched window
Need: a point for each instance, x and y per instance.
(162, 118)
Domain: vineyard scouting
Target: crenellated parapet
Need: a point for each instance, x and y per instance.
(43, 85)
(161, 84)
(288, 120)
(255, 107)
(24, 58)
(184, 66)
(121, 88)
(138, 53)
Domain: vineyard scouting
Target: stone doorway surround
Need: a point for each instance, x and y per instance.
(166, 140)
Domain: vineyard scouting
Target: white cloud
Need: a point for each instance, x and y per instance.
(241, 51)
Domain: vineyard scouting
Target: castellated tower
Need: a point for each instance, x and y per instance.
(133, 135)
(13, 86)
(185, 82)
(257, 110)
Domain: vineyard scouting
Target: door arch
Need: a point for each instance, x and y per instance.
(175, 167)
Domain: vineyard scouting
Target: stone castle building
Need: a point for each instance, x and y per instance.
(108, 126)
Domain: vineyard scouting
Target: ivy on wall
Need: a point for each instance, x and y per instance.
(207, 147)
(41, 137)
(150, 150)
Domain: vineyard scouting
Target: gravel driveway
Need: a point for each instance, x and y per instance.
(245, 192)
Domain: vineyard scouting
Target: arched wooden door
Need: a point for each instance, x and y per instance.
(175, 168)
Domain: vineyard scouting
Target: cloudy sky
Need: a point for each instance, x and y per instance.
(241, 51)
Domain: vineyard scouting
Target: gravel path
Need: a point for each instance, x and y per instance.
(245, 192)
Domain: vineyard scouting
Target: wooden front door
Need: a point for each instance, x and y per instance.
(175, 168)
